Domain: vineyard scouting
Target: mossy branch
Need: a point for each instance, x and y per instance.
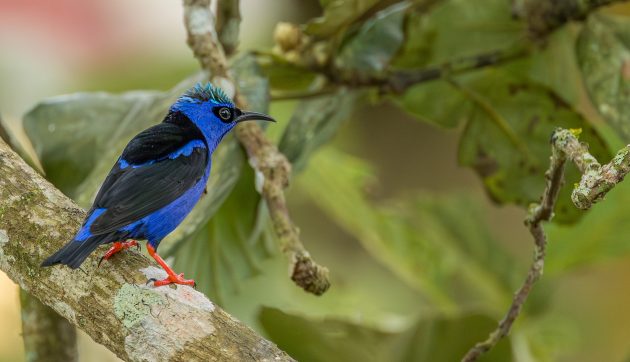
(596, 181)
(112, 304)
(270, 165)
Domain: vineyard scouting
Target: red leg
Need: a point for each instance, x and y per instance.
(172, 277)
(118, 246)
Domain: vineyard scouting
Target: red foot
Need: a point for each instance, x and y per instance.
(172, 277)
(118, 246)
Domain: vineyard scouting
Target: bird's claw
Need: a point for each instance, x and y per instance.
(173, 279)
(118, 246)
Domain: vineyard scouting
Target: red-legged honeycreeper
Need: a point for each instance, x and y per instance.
(157, 180)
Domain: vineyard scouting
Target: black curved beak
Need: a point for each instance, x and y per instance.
(250, 116)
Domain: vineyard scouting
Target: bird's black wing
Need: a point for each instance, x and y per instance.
(162, 139)
(150, 176)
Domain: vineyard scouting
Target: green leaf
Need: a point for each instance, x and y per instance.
(603, 51)
(78, 137)
(285, 77)
(370, 50)
(506, 140)
(338, 14)
(314, 123)
(228, 248)
(459, 28)
(438, 245)
(556, 66)
(251, 82)
(4, 133)
(438, 339)
(436, 102)
(19, 145)
(600, 236)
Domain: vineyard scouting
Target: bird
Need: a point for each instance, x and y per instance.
(157, 180)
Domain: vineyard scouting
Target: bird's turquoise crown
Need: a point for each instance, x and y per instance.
(201, 93)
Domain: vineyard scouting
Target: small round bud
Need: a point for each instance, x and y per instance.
(287, 36)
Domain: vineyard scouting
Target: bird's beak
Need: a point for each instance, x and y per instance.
(250, 116)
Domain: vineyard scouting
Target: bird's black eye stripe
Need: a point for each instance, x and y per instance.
(225, 114)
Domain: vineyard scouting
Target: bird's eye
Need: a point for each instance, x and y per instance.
(225, 114)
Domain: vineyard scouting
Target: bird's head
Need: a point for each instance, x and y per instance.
(213, 111)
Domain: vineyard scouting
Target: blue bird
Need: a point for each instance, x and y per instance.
(157, 180)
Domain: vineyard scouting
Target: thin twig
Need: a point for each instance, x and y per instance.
(596, 181)
(270, 165)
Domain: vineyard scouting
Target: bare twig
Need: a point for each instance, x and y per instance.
(270, 165)
(47, 335)
(596, 181)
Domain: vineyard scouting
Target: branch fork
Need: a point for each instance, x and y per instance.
(596, 182)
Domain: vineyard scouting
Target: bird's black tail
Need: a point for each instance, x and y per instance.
(75, 252)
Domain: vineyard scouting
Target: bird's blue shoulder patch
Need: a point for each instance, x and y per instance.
(187, 149)
(208, 92)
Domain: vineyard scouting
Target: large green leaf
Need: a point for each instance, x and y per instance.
(228, 248)
(458, 28)
(438, 339)
(556, 65)
(338, 14)
(71, 133)
(603, 52)
(78, 137)
(370, 50)
(506, 140)
(436, 102)
(601, 235)
(314, 123)
(18, 144)
(439, 245)
(284, 76)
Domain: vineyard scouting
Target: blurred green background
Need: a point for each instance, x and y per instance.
(422, 261)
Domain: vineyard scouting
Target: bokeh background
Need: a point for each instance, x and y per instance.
(50, 48)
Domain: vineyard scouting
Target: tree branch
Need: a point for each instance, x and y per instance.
(596, 181)
(399, 81)
(228, 24)
(47, 336)
(544, 16)
(271, 166)
(111, 304)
